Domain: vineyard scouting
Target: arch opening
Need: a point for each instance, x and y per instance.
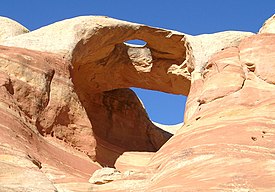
(165, 110)
(121, 124)
(102, 74)
(136, 42)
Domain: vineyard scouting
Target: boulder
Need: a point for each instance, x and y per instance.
(105, 175)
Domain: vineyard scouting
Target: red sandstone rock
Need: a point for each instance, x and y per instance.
(27, 90)
(65, 109)
(133, 161)
(227, 142)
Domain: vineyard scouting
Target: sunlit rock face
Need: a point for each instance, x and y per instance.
(67, 110)
(227, 140)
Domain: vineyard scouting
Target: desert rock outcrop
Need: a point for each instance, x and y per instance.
(67, 109)
(268, 26)
(10, 28)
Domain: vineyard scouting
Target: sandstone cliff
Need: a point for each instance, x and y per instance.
(67, 110)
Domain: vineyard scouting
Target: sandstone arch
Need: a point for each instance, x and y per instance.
(164, 64)
(88, 55)
(97, 61)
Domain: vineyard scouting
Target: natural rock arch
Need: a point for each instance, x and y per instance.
(92, 40)
(93, 48)
(165, 63)
(226, 131)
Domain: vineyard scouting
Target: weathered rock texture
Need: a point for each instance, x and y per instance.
(66, 108)
(10, 28)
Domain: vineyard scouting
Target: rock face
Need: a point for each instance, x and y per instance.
(226, 142)
(38, 110)
(268, 26)
(67, 110)
(105, 175)
(10, 28)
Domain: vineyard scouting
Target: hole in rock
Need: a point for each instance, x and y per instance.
(120, 123)
(136, 42)
(163, 108)
(121, 128)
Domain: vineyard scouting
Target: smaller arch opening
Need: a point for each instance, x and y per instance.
(136, 42)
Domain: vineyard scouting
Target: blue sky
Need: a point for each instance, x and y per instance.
(188, 16)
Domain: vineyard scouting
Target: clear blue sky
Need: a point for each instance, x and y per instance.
(188, 16)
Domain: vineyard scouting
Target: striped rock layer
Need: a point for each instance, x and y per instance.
(67, 110)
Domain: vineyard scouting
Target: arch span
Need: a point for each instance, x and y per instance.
(102, 67)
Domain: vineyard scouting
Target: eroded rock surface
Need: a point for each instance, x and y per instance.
(10, 28)
(67, 110)
(226, 142)
(269, 25)
(105, 175)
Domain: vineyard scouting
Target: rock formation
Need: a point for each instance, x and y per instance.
(10, 28)
(67, 110)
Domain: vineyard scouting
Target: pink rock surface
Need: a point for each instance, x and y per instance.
(227, 143)
(66, 110)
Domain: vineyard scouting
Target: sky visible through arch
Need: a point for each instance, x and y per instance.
(187, 16)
